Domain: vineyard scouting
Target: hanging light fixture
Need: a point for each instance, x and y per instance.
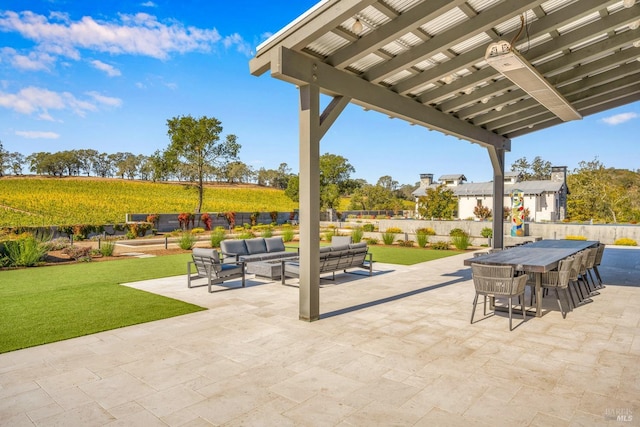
(508, 62)
(634, 25)
(357, 27)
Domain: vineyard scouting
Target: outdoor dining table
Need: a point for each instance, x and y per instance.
(537, 257)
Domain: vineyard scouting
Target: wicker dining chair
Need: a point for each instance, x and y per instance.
(575, 278)
(559, 279)
(597, 263)
(498, 281)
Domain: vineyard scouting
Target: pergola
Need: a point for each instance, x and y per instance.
(428, 62)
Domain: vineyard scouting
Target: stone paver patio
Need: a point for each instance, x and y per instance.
(393, 349)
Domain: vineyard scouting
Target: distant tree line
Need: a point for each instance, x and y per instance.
(88, 162)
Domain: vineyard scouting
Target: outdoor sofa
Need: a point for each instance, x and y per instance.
(334, 258)
(257, 249)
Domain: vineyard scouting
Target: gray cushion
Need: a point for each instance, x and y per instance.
(325, 249)
(339, 248)
(358, 245)
(233, 247)
(256, 246)
(207, 253)
(339, 241)
(274, 244)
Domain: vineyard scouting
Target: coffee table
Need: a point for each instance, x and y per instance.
(271, 269)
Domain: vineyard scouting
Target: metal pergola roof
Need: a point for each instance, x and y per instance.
(431, 52)
(423, 61)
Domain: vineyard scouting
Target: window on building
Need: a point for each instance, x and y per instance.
(479, 202)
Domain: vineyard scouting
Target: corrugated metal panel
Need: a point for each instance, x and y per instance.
(514, 23)
(525, 45)
(547, 58)
(402, 44)
(439, 58)
(366, 63)
(595, 16)
(397, 77)
(422, 89)
(424, 65)
(480, 5)
(327, 44)
(591, 41)
(554, 5)
(395, 47)
(373, 16)
(402, 5)
(444, 21)
(471, 43)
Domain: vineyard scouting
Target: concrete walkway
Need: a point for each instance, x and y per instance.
(393, 349)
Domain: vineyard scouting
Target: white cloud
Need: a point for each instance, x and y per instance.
(105, 100)
(33, 61)
(33, 134)
(619, 118)
(37, 100)
(236, 40)
(148, 4)
(109, 69)
(139, 34)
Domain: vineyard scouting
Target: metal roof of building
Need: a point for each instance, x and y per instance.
(486, 188)
(423, 60)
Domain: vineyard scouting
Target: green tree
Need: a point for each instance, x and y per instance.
(439, 203)
(197, 143)
(372, 197)
(335, 172)
(293, 188)
(595, 195)
(537, 170)
(3, 159)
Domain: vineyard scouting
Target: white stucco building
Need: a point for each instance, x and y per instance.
(546, 200)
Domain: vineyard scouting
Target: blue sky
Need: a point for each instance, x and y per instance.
(107, 75)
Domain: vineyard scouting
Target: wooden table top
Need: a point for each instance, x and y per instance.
(536, 257)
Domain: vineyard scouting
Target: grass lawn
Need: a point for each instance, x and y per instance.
(407, 256)
(47, 304)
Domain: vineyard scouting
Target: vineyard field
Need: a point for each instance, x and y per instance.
(42, 201)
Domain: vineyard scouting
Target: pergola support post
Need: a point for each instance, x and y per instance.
(497, 161)
(309, 192)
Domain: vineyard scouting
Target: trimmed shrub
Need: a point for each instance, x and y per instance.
(368, 227)
(461, 242)
(187, 241)
(422, 240)
(328, 235)
(395, 230)
(356, 234)
(457, 232)
(388, 238)
(218, 235)
(440, 245)
(107, 247)
(266, 232)
(486, 232)
(406, 243)
(247, 234)
(372, 241)
(625, 241)
(570, 237)
(427, 231)
(287, 234)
